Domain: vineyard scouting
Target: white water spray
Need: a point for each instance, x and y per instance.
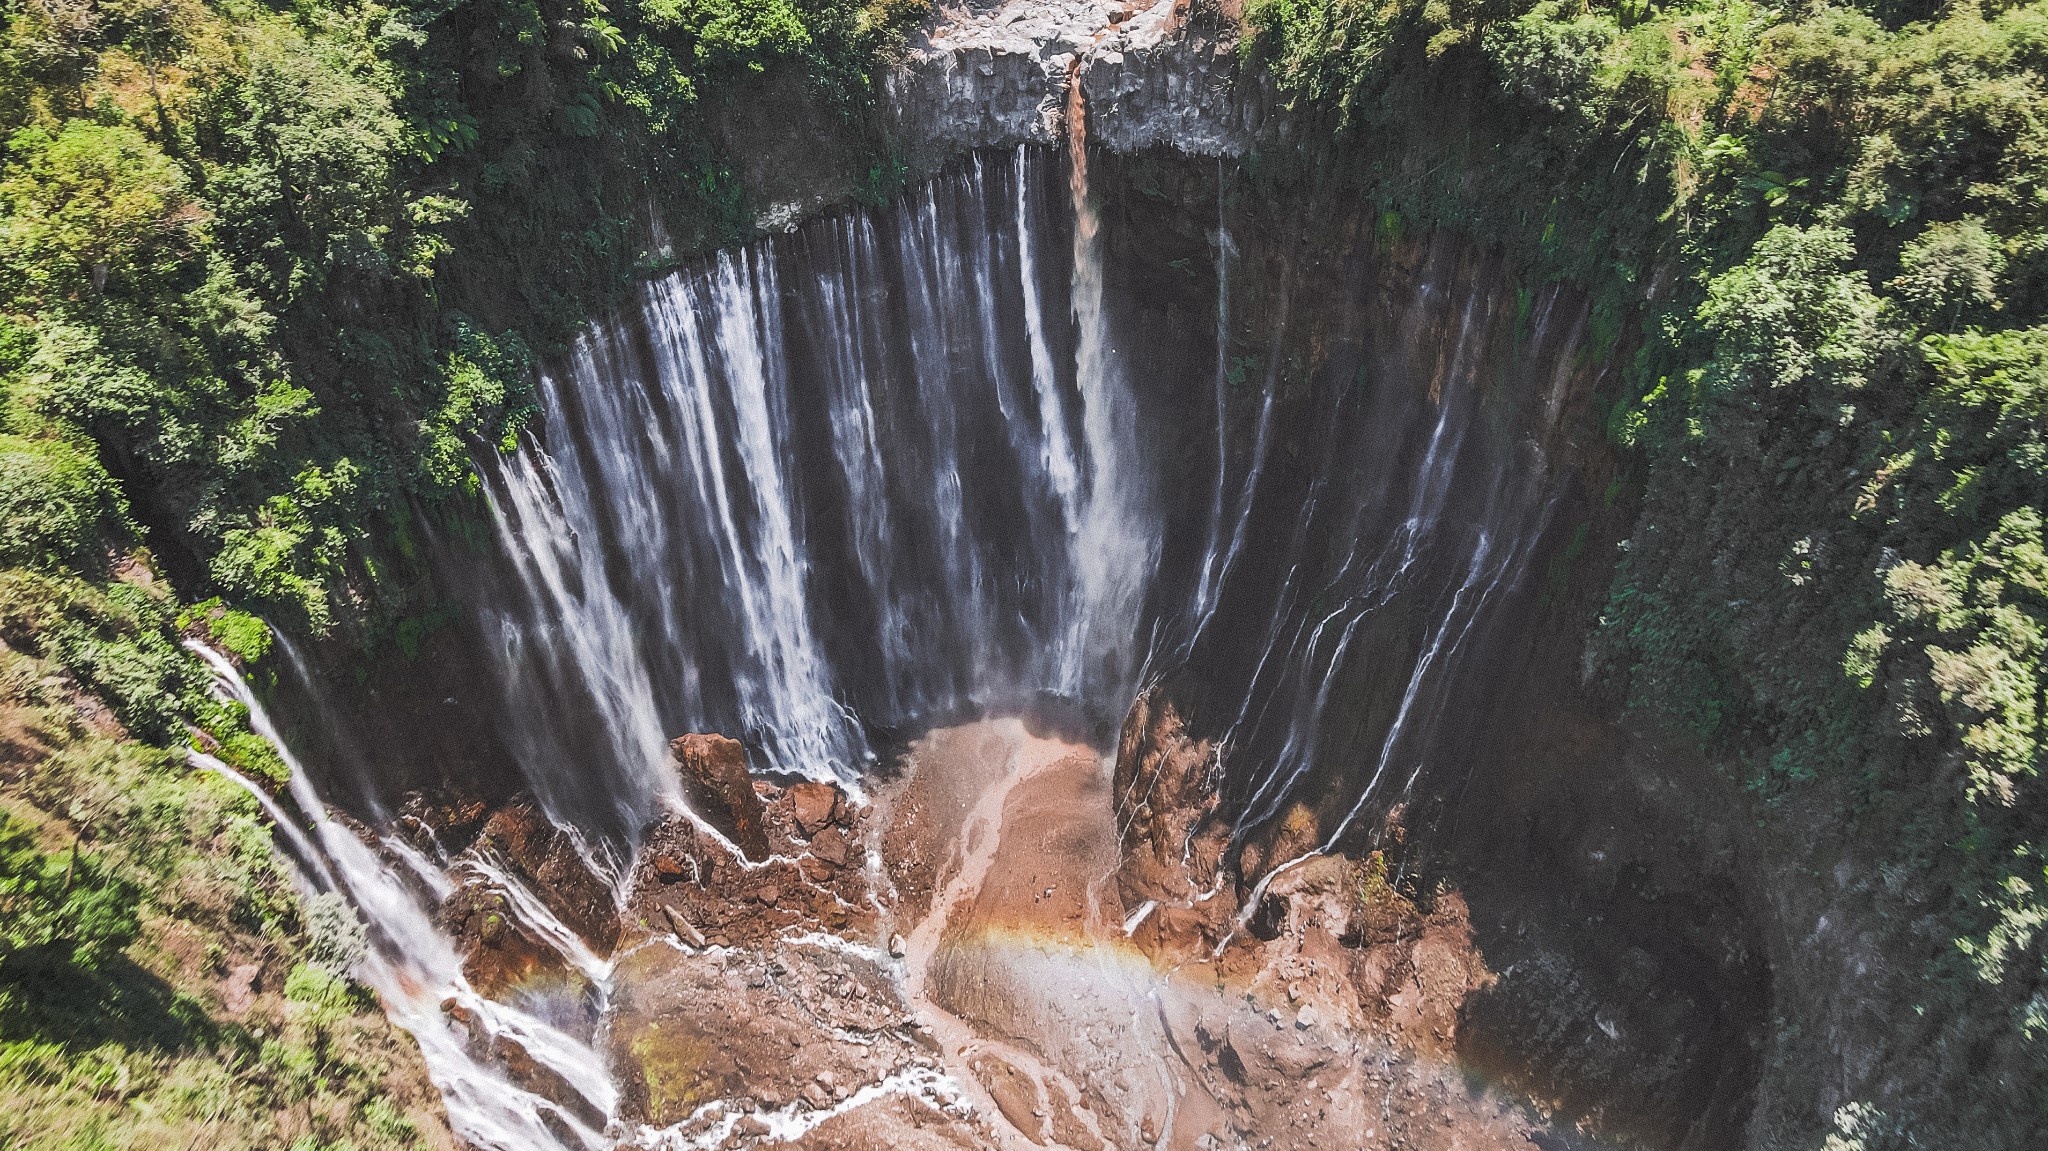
(1118, 544)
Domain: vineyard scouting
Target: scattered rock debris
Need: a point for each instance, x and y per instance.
(1017, 943)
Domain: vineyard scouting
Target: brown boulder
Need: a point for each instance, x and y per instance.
(714, 773)
(498, 955)
(1329, 891)
(440, 821)
(816, 806)
(546, 858)
(680, 923)
(832, 846)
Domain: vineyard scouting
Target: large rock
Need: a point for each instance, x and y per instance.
(832, 846)
(686, 875)
(441, 821)
(548, 861)
(714, 772)
(1335, 894)
(816, 806)
(1166, 806)
(505, 948)
(500, 954)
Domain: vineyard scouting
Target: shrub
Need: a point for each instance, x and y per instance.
(58, 506)
(73, 902)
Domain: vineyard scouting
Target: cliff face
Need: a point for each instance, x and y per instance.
(1685, 963)
(1634, 987)
(998, 77)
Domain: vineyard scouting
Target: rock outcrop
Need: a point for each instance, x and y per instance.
(801, 867)
(522, 890)
(714, 774)
(1043, 891)
(998, 76)
(1165, 795)
(500, 952)
(554, 869)
(440, 823)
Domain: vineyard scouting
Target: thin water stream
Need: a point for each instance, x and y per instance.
(418, 975)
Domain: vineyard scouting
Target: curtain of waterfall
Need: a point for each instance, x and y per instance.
(892, 468)
(822, 485)
(1344, 635)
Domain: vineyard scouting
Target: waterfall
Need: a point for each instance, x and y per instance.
(1062, 466)
(842, 480)
(1219, 555)
(1205, 590)
(1115, 547)
(1434, 523)
(890, 468)
(713, 340)
(417, 974)
(896, 467)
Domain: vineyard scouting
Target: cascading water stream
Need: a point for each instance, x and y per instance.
(1117, 545)
(1062, 466)
(1464, 521)
(1216, 557)
(418, 975)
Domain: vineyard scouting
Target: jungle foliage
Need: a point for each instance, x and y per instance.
(1818, 239)
(161, 979)
(270, 273)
